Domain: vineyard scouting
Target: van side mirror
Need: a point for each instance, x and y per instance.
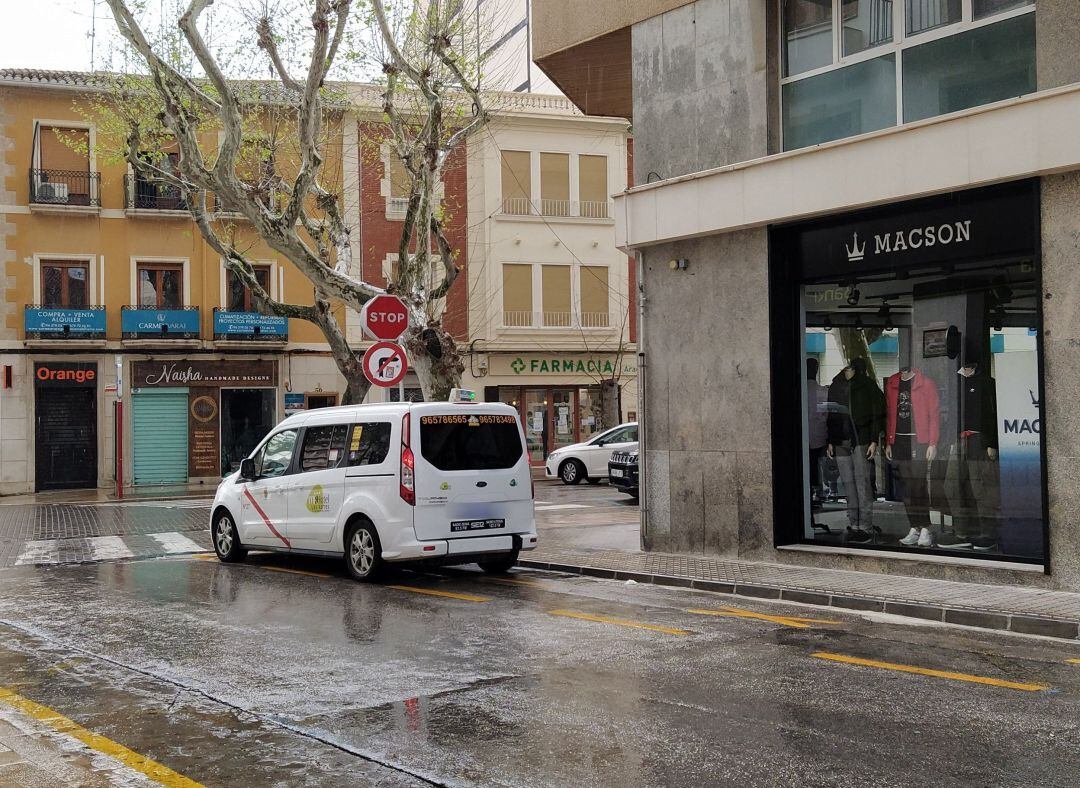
(247, 470)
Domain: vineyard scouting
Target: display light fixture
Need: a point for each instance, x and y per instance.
(853, 296)
(827, 323)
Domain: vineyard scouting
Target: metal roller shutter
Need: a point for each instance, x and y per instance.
(160, 436)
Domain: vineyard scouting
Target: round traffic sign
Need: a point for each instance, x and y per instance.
(385, 317)
(385, 364)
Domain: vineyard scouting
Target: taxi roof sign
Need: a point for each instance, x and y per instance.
(462, 396)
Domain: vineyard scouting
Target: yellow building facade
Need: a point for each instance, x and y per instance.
(119, 326)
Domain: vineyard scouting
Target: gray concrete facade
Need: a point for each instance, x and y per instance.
(701, 76)
(704, 97)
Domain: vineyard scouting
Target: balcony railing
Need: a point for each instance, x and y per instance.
(49, 322)
(585, 209)
(249, 327)
(595, 209)
(513, 318)
(152, 195)
(138, 322)
(65, 187)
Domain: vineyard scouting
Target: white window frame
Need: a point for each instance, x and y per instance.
(392, 257)
(92, 263)
(536, 190)
(185, 263)
(40, 123)
(394, 211)
(537, 317)
(276, 273)
(900, 42)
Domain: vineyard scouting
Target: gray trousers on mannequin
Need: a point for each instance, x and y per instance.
(855, 478)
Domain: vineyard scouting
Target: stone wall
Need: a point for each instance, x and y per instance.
(708, 469)
(1061, 342)
(700, 76)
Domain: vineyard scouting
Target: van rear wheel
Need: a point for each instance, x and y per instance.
(363, 553)
(499, 564)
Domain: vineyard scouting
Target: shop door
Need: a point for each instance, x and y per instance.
(563, 418)
(247, 415)
(536, 424)
(159, 424)
(66, 437)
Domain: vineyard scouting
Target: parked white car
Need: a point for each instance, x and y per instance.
(589, 460)
(446, 483)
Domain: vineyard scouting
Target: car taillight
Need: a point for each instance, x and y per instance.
(408, 465)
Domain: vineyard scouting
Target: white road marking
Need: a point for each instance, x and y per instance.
(173, 542)
(108, 548)
(44, 551)
(185, 503)
(553, 507)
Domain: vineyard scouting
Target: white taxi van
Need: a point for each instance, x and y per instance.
(445, 482)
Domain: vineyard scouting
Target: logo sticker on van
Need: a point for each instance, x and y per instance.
(317, 500)
(444, 486)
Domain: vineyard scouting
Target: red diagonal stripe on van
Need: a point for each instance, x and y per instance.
(266, 519)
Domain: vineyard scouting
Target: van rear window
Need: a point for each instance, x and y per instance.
(461, 442)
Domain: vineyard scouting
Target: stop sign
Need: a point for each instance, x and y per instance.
(385, 317)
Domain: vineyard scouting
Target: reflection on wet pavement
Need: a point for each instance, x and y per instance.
(240, 675)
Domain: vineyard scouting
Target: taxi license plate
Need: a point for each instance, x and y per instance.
(616, 473)
(457, 526)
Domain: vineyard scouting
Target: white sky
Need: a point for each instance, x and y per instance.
(50, 33)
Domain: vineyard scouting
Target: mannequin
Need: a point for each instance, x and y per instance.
(913, 428)
(817, 435)
(978, 495)
(853, 427)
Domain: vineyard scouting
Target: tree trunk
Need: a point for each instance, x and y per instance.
(356, 388)
(437, 361)
(610, 403)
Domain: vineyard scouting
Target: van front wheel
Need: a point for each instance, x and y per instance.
(499, 564)
(363, 553)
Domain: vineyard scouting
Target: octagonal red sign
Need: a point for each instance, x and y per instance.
(385, 317)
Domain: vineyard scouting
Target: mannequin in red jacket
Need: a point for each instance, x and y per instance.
(912, 431)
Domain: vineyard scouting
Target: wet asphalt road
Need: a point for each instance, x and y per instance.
(283, 672)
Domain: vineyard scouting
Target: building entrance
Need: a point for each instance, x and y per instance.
(66, 425)
(247, 415)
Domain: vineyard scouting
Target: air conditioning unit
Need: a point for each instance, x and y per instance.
(52, 192)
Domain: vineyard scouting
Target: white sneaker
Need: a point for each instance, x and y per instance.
(926, 539)
(912, 538)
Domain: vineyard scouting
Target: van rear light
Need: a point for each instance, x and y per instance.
(408, 465)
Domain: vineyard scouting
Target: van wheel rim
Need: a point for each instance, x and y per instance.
(223, 537)
(362, 551)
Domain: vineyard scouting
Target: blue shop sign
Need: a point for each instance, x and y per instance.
(51, 320)
(176, 322)
(249, 324)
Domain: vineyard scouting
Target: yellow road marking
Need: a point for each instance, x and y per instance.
(58, 722)
(205, 556)
(622, 622)
(939, 674)
(1072, 662)
(448, 594)
(293, 571)
(509, 581)
(787, 621)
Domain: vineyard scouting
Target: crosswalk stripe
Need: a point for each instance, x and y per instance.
(108, 548)
(173, 542)
(553, 507)
(43, 551)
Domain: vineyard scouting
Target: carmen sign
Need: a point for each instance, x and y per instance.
(179, 374)
(177, 323)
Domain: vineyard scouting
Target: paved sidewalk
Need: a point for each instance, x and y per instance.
(1025, 610)
(101, 531)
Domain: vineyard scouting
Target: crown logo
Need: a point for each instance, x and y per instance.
(855, 252)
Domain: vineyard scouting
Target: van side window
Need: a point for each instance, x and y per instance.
(275, 456)
(369, 443)
(324, 447)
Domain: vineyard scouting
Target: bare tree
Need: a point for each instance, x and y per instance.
(228, 136)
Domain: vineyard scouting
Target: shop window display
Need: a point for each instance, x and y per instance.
(921, 406)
